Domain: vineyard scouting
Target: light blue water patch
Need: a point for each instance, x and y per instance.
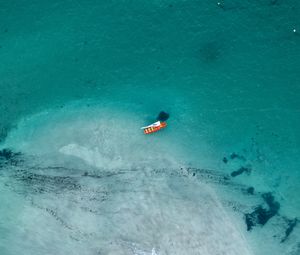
(79, 79)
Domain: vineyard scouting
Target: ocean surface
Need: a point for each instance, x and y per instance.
(79, 79)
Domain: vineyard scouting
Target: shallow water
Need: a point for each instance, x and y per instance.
(78, 80)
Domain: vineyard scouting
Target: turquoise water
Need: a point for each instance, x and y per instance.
(79, 79)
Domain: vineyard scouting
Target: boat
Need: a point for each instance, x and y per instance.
(154, 127)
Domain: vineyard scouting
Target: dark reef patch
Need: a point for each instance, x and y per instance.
(291, 225)
(240, 171)
(258, 216)
(262, 215)
(8, 154)
(250, 190)
(237, 156)
(233, 156)
(8, 157)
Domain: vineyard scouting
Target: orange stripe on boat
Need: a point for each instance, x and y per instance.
(155, 129)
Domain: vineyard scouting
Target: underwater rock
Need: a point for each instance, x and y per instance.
(8, 154)
(237, 156)
(240, 171)
(163, 116)
(8, 157)
(270, 200)
(261, 215)
(291, 225)
(250, 190)
(232, 157)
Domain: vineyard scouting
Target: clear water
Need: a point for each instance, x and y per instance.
(78, 80)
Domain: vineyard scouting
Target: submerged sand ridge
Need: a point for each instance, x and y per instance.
(102, 197)
(105, 188)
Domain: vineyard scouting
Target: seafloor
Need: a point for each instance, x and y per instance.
(79, 79)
